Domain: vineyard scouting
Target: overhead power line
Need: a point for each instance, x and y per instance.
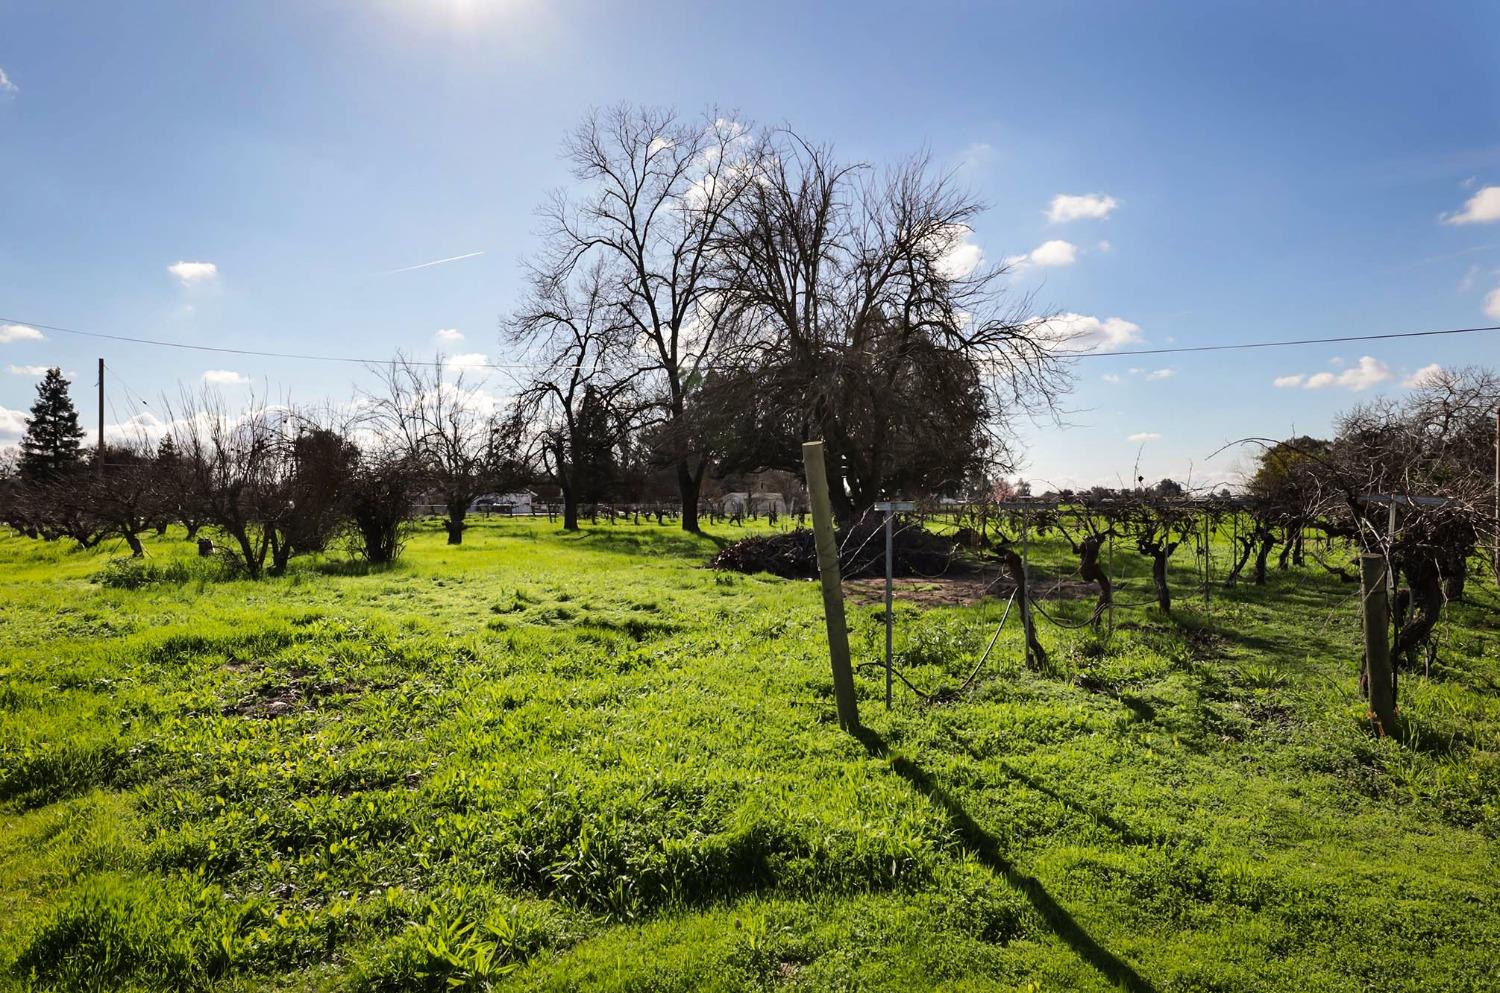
(224, 350)
(1279, 344)
(303, 357)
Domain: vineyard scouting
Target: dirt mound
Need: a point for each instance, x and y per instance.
(793, 554)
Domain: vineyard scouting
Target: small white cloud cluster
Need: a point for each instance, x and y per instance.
(1048, 254)
(7, 88)
(224, 377)
(28, 370)
(449, 335)
(191, 273)
(957, 254)
(1151, 374)
(1074, 207)
(12, 425)
(468, 360)
(1083, 332)
(1367, 372)
(1425, 376)
(1481, 208)
(18, 332)
(1144, 436)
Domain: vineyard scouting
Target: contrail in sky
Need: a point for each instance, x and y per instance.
(424, 265)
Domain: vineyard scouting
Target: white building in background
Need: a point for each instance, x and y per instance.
(518, 503)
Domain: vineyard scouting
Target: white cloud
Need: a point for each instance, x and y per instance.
(1054, 253)
(1162, 374)
(468, 360)
(224, 377)
(1481, 208)
(7, 88)
(18, 332)
(449, 334)
(1081, 332)
(12, 424)
(1105, 246)
(1089, 206)
(1423, 376)
(1110, 377)
(1364, 374)
(193, 272)
(1491, 304)
(976, 157)
(1144, 436)
(958, 256)
(27, 370)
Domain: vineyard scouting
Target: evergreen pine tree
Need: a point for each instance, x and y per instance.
(594, 464)
(166, 451)
(51, 445)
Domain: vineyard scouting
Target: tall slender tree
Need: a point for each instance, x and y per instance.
(51, 446)
(655, 191)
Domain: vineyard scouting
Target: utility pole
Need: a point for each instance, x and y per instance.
(99, 459)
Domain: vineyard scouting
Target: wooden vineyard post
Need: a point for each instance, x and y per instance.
(1378, 682)
(833, 592)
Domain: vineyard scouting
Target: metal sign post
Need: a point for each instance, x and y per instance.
(890, 507)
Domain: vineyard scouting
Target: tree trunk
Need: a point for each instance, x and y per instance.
(1017, 572)
(1267, 542)
(281, 552)
(570, 510)
(689, 486)
(247, 552)
(1426, 589)
(136, 551)
(1247, 545)
(1456, 574)
(1090, 570)
(1159, 578)
(455, 525)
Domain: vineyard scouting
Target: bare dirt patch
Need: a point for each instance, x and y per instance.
(299, 692)
(959, 591)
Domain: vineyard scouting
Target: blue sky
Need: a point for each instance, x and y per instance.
(1272, 171)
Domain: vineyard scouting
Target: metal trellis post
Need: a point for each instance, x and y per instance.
(890, 507)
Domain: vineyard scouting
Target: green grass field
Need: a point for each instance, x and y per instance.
(546, 761)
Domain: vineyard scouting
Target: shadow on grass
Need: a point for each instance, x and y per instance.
(984, 847)
(631, 540)
(351, 567)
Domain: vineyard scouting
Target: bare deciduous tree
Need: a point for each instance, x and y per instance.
(444, 427)
(658, 190)
(857, 293)
(581, 341)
